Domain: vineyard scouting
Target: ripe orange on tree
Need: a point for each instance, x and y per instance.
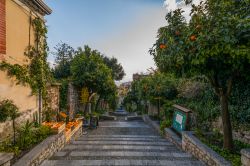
(192, 37)
(163, 46)
(177, 33)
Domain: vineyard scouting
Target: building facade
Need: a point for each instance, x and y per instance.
(16, 34)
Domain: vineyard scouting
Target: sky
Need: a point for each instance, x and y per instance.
(125, 29)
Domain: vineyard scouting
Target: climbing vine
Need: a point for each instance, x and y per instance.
(36, 73)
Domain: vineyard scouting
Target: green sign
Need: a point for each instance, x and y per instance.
(179, 121)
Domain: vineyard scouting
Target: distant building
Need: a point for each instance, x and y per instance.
(16, 34)
(138, 76)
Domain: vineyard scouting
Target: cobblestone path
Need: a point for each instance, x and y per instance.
(121, 143)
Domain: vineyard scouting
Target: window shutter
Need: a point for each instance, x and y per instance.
(2, 27)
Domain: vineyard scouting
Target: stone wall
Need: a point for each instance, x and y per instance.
(241, 135)
(245, 157)
(54, 96)
(152, 110)
(170, 135)
(73, 100)
(202, 152)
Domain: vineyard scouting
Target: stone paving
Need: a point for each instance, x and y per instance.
(121, 143)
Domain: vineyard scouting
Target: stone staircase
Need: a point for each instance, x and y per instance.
(121, 143)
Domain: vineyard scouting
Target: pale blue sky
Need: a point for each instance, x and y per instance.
(125, 29)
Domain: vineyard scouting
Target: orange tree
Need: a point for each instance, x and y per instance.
(88, 70)
(214, 42)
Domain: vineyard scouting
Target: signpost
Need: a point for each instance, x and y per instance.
(181, 119)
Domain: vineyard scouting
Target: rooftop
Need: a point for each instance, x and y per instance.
(39, 6)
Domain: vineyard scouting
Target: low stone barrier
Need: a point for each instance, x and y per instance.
(107, 117)
(201, 151)
(245, 157)
(154, 124)
(170, 135)
(5, 159)
(47, 148)
(131, 118)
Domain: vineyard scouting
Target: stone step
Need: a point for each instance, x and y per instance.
(121, 136)
(122, 139)
(124, 131)
(121, 158)
(120, 143)
(119, 147)
(120, 162)
(128, 154)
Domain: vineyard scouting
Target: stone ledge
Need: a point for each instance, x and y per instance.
(201, 151)
(154, 124)
(47, 148)
(245, 157)
(43, 150)
(5, 158)
(172, 137)
(131, 118)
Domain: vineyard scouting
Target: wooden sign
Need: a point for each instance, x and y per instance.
(181, 118)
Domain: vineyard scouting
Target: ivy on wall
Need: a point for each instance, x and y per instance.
(36, 74)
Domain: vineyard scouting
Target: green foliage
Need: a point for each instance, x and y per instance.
(165, 124)
(203, 102)
(19, 72)
(154, 88)
(28, 136)
(37, 72)
(168, 111)
(7, 146)
(25, 135)
(41, 133)
(209, 44)
(9, 109)
(63, 95)
(117, 69)
(89, 70)
(64, 55)
(6, 109)
(214, 141)
(240, 105)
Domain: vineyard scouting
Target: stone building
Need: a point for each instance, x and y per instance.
(16, 34)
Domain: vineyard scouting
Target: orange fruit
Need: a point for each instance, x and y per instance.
(163, 46)
(177, 33)
(192, 37)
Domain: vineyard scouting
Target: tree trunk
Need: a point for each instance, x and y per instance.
(14, 131)
(227, 128)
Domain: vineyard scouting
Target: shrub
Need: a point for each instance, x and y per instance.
(5, 106)
(165, 124)
(28, 136)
